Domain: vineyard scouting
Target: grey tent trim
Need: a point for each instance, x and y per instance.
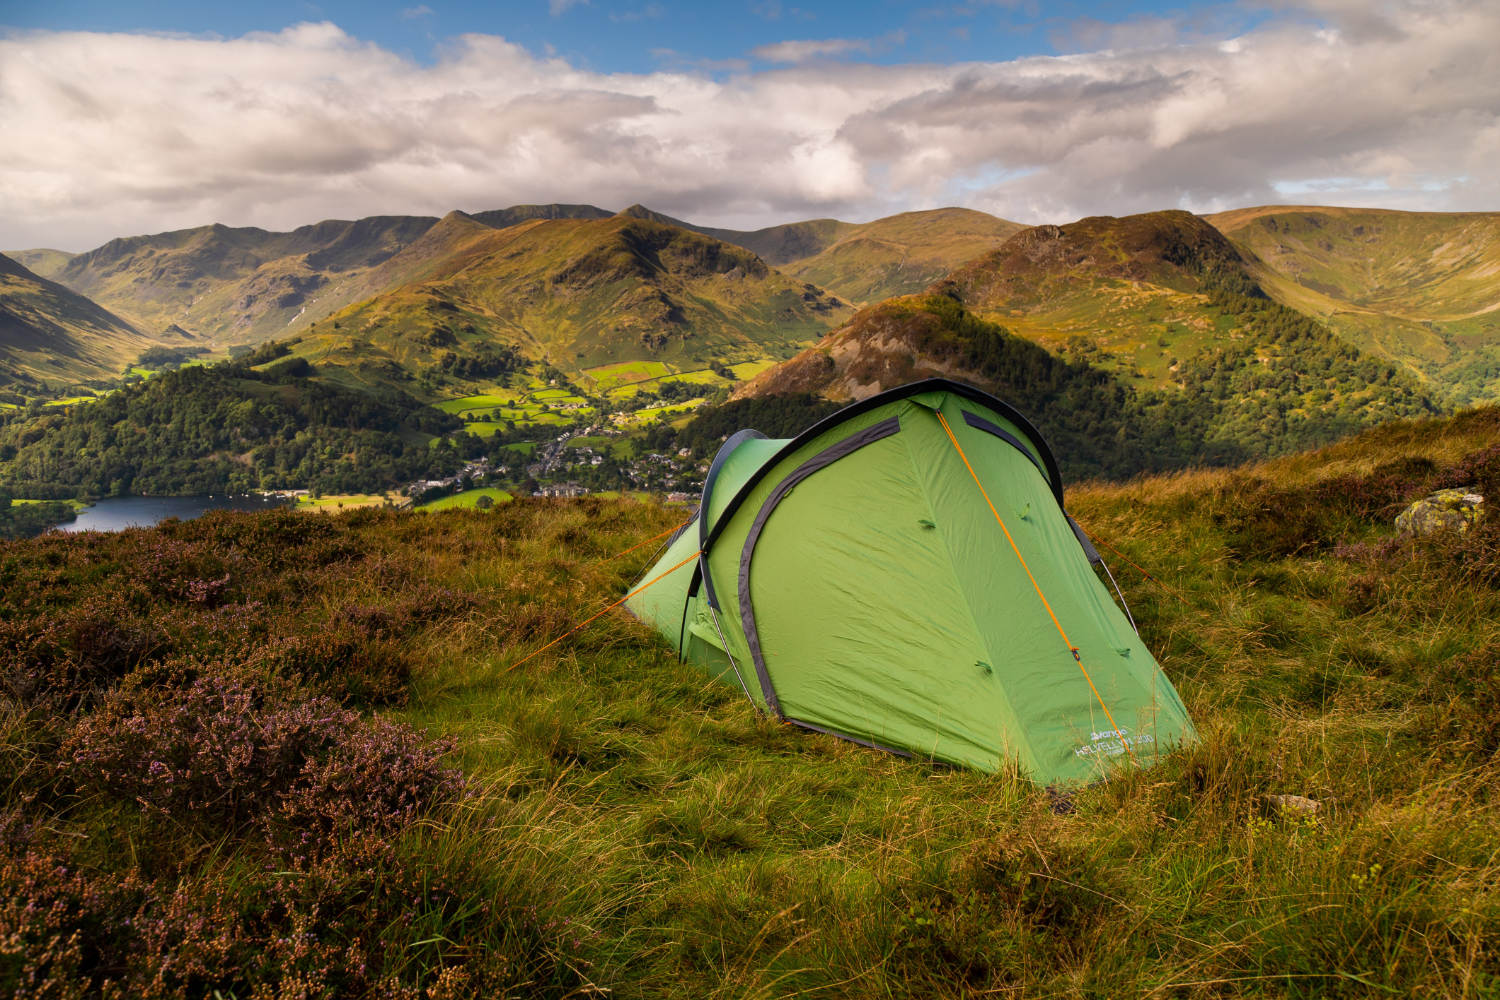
(977, 422)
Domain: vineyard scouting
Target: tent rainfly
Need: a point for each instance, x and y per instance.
(903, 574)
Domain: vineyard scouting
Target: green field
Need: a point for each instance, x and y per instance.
(77, 505)
(341, 501)
(745, 371)
(467, 499)
(701, 376)
(652, 413)
(481, 401)
(608, 377)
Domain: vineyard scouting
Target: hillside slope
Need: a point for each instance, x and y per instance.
(578, 293)
(1246, 378)
(265, 421)
(869, 261)
(901, 254)
(1421, 288)
(235, 285)
(379, 781)
(249, 285)
(51, 336)
(1131, 294)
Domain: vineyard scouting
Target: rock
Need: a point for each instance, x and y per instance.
(1293, 806)
(1444, 510)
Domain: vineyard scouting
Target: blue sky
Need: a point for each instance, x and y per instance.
(638, 36)
(120, 119)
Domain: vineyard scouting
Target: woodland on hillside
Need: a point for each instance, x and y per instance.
(254, 423)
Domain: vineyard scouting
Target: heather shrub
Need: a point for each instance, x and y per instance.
(62, 660)
(69, 932)
(225, 752)
(340, 663)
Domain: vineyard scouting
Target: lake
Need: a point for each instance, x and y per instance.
(115, 513)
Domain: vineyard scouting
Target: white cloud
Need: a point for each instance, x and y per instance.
(117, 134)
(557, 7)
(825, 48)
(802, 51)
(411, 13)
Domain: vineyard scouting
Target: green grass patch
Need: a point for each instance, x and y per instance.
(747, 370)
(651, 414)
(612, 376)
(480, 401)
(468, 499)
(703, 376)
(341, 501)
(77, 505)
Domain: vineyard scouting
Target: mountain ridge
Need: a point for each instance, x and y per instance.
(51, 334)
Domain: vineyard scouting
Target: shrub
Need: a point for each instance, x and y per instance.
(226, 753)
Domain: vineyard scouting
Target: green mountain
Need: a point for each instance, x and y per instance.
(1246, 377)
(1130, 294)
(901, 254)
(45, 263)
(236, 285)
(574, 292)
(52, 337)
(776, 245)
(865, 262)
(1421, 288)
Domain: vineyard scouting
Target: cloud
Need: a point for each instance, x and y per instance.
(117, 134)
(826, 48)
(412, 13)
(557, 7)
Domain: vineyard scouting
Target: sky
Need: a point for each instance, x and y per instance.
(125, 118)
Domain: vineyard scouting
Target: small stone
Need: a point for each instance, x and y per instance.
(1458, 510)
(1294, 806)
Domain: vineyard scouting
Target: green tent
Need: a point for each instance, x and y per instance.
(903, 574)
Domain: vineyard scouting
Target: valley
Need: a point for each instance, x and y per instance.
(580, 350)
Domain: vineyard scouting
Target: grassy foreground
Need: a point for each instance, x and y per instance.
(274, 756)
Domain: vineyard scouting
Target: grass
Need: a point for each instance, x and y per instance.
(747, 370)
(480, 401)
(649, 414)
(77, 505)
(342, 501)
(607, 377)
(467, 500)
(634, 827)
